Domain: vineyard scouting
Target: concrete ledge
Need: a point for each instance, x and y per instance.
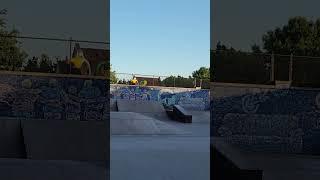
(20, 73)
(241, 85)
(291, 166)
(224, 168)
(222, 84)
(157, 87)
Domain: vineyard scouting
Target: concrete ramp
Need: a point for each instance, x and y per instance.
(160, 116)
(140, 106)
(130, 123)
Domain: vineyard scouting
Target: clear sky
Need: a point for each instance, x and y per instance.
(240, 24)
(160, 37)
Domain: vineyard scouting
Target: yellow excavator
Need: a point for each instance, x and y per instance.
(79, 62)
(134, 81)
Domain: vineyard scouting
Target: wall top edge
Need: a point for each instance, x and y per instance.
(159, 87)
(217, 84)
(241, 85)
(18, 73)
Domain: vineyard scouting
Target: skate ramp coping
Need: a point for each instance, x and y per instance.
(130, 123)
(140, 106)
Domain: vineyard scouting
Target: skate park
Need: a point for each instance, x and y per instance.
(167, 142)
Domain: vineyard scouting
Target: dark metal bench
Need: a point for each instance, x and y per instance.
(222, 167)
(181, 115)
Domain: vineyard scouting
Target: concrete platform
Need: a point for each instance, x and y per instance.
(274, 166)
(160, 158)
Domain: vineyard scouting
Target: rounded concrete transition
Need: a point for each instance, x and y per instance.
(130, 123)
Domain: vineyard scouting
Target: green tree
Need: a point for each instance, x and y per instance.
(178, 81)
(256, 49)
(202, 73)
(46, 64)
(32, 65)
(113, 77)
(143, 83)
(11, 55)
(299, 36)
(2, 20)
(43, 64)
(221, 48)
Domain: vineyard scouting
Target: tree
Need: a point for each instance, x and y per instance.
(11, 55)
(299, 36)
(113, 77)
(256, 49)
(143, 83)
(2, 20)
(45, 65)
(32, 65)
(202, 73)
(178, 81)
(221, 47)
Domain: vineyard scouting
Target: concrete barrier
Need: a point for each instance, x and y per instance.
(53, 96)
(188, 98)
(268, 113)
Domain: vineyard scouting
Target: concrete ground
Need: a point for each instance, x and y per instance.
(275, 166)
(180, 156)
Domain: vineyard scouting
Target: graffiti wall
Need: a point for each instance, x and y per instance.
(267, 119)
(187, 98)
(52, 97)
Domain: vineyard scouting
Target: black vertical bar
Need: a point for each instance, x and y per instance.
(70, 46)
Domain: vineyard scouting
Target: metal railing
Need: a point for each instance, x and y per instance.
(263, 68)
(166, 81)
(28, 53)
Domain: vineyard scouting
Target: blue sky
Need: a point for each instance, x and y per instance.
(160, 37)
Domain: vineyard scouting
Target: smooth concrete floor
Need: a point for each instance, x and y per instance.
(162, 157)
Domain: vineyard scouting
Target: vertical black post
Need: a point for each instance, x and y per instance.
(272, 68)
(290, 67)
(70, 52)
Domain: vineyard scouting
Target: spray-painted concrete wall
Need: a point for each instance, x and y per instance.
(49, 96)
(265, 118)
(188, 98)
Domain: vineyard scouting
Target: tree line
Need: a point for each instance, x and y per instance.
(202, 75)
(299, 37)
(14, 58)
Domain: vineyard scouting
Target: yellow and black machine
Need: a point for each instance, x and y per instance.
(80, 63)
